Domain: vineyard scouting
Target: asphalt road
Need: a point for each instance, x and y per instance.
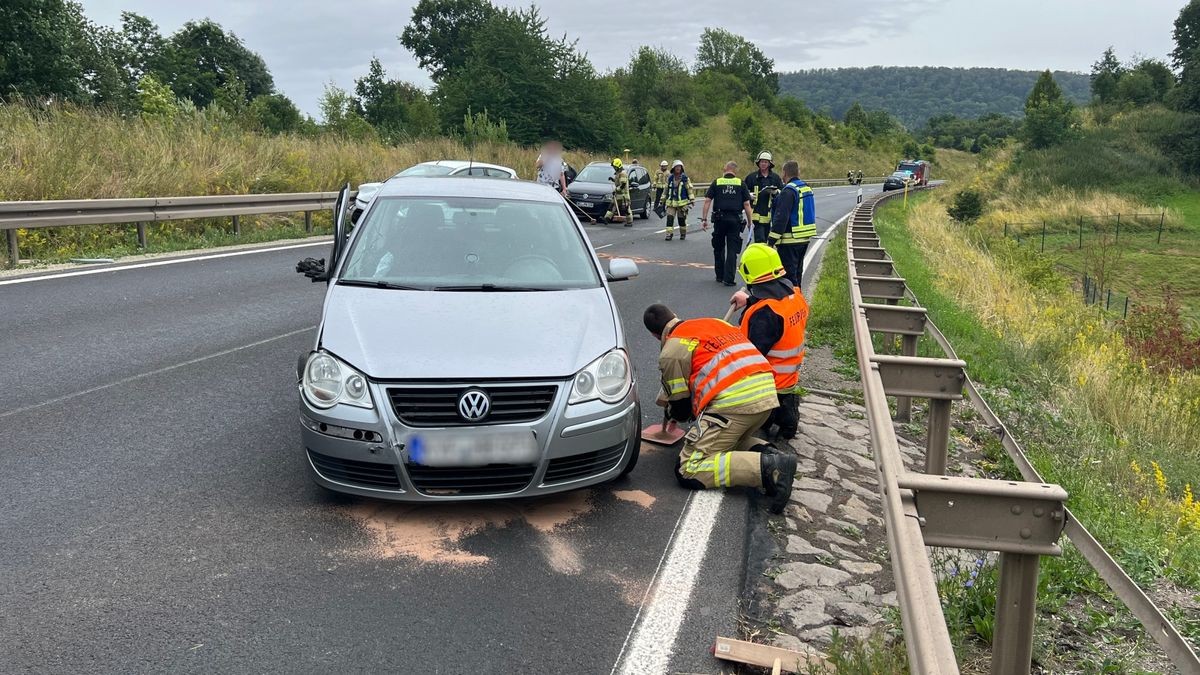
(157, 515)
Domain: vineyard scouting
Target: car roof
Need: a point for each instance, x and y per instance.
(459, 164)
(467, 186)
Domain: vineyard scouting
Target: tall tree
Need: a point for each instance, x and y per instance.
(201, 57)
(1048, 115)
(1186, 34)
(537, 85)
(855, 116)
(441, 31)
(39, 50)
(395, 108)
(1106, 74)
(726, 52)
(142, 43)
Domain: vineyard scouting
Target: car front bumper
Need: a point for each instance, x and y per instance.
(362, 452)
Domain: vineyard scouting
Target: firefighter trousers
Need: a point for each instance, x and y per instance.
(715, 452)
(762, 232)
(792, 257)
(787, 416)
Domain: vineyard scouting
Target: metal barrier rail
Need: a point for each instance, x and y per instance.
(1021, 521)
(143, 210)
(872, 275)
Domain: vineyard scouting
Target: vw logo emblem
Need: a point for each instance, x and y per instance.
(474, 405)
(584, 196)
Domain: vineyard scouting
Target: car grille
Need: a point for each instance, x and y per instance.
(352, 472)
(565, 469)
(493, 479)
(438, 406)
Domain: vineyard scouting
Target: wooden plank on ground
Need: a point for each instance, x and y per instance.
(767, 656)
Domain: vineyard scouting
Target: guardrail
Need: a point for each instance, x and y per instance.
(142, 210)
(1020, 520)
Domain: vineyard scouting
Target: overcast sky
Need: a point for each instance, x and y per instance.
(308, 43)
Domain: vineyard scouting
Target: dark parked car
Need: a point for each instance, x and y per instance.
(592, 189)
(898, 180)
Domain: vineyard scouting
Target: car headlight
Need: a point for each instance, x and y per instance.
(608, 378)
(328, 382)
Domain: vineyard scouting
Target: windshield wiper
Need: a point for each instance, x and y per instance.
(489, 288)
(369, 283)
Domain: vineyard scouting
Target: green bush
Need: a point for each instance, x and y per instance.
(967, 206)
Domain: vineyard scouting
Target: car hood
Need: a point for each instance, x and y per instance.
(581, 187)
(399, 335)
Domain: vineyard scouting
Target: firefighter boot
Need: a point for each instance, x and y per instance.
(670, 228)
(682, 231)
(778, 473)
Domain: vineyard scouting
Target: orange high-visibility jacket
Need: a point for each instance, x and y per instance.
(724, 364)
(787, 354)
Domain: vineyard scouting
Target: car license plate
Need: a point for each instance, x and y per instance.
(472, 449)
(586, 205)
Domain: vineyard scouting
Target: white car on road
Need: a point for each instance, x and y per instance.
(441, 167)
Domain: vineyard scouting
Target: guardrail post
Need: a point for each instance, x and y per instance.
(308, 222)
(1016, 606)
(14, 253)
(237, 226)
(908, 347)
(141, 235)
(937, 439)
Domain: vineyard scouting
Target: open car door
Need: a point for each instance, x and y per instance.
(318, 269)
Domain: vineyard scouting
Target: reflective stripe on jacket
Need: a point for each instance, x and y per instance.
(727, 370)
(679, 192)
(787, 354)
(802, 221)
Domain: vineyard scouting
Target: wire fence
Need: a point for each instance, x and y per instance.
(1100, 238)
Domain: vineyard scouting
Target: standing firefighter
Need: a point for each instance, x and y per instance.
(621, 199)
(729, 202)
(679, 199)
(660, 182)
(764, 185)
(774, 320)
(794, 222)
(712, 374)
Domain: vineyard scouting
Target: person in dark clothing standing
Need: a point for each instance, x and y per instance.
(764, 185)
(729, 202)
(774, 318)
(794, 221)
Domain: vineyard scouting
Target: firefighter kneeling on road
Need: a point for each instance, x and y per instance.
(711, 373)
(774, 320)
(679, 199)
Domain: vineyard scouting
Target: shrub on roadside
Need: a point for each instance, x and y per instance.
(1158, 335)
(967, 206)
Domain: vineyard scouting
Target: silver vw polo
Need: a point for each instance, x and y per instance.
(469, 348)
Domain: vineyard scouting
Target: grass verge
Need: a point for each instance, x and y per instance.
(1117, 436)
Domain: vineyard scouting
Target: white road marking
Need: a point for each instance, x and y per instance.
(142, 376)
(823, 238)
(604, 246)
(161, 263)
(651, 640)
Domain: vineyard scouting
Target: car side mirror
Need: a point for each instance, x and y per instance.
(620, 269)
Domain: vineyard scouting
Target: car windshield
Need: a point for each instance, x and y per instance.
(912, 168)
(426, 170)
(901, 174)
(595, 173)
(469, 244)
